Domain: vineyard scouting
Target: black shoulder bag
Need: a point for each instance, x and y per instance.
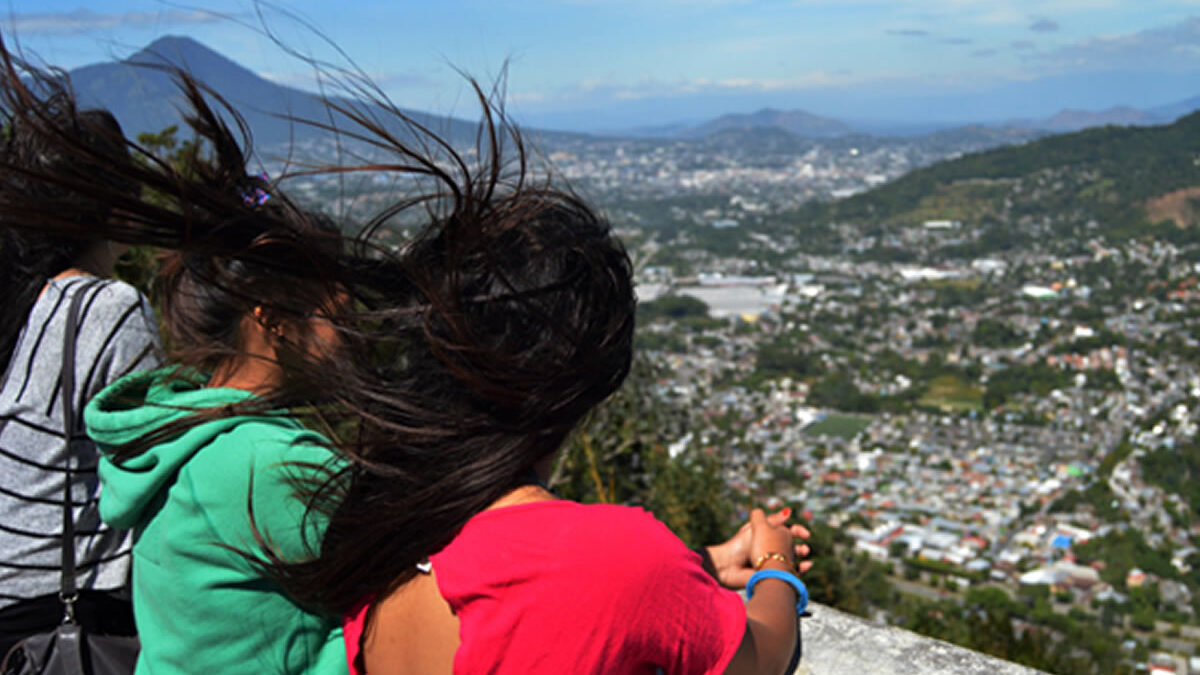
(69, 649)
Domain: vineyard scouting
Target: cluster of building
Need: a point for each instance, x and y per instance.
(970, 489)
(923, 470)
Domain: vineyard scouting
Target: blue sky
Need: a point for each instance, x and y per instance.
(622, 63)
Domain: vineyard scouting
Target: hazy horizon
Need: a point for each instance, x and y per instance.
(585, 65)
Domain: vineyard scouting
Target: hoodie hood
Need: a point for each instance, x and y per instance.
(139, 404)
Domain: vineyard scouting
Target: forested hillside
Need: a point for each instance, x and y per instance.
(1112, 181)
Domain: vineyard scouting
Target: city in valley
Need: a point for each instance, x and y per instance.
(987, 387)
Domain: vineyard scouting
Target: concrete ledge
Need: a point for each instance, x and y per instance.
(836, 643)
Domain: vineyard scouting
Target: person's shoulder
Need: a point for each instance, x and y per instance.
(108, 301)
(629, 537)
(263, 440)
(268, 454)
(248, 481)
(111, 293)
(618, 518)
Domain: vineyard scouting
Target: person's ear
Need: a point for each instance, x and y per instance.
(264, 319)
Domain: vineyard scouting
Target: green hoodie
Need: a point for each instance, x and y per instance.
(200, 606)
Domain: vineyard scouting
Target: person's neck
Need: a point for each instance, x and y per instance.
(527, 494)
(76, 272)
(99, 260)
(250, 373)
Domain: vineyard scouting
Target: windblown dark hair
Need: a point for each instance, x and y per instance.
(227, 251)
(472, 350)
(515, 320)
(47, 135)
(499, 325)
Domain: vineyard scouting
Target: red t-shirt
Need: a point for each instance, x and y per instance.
(561, 587)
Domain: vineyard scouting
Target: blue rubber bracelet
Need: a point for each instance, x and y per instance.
(801, 589)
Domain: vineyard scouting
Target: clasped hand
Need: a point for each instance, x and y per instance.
(732, 562)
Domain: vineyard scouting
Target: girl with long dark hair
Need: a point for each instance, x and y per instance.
(516, 319)
(41, 274)
(453, 368)
(485, 339)
(201, 459)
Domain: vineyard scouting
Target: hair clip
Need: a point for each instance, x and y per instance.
(258, 196)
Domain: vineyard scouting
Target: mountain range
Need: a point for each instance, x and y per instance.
(797, 122)
(808, 125)
(141, 94)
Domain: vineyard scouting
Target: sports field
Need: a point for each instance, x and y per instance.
(845, 426)
(952, 394)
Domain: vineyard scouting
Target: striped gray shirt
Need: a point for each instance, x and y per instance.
(117, 334)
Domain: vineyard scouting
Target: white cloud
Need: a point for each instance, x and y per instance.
(83, 20)
(311, 80)
(302, 80)
(1170, 48)
(650, 88)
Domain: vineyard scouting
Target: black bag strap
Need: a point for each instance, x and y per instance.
(68, 593)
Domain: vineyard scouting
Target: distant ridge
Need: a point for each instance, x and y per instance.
(145, 99)
(1070, 119)
(808, 125)
(1120, 169)
(798, 122)
(1174, 111)
(1074, 120)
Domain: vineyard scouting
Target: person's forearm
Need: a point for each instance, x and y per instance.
(771, 616)
(770, 631)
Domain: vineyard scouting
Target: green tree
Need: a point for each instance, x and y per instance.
(785, 357)
(139, 265)
(837, 390)
(672, 307)
(995, 334)
(1121, 551)
(619, 455)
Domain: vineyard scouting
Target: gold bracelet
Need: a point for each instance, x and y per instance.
(762, 560)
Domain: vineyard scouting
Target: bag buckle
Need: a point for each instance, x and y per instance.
(68, 602)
